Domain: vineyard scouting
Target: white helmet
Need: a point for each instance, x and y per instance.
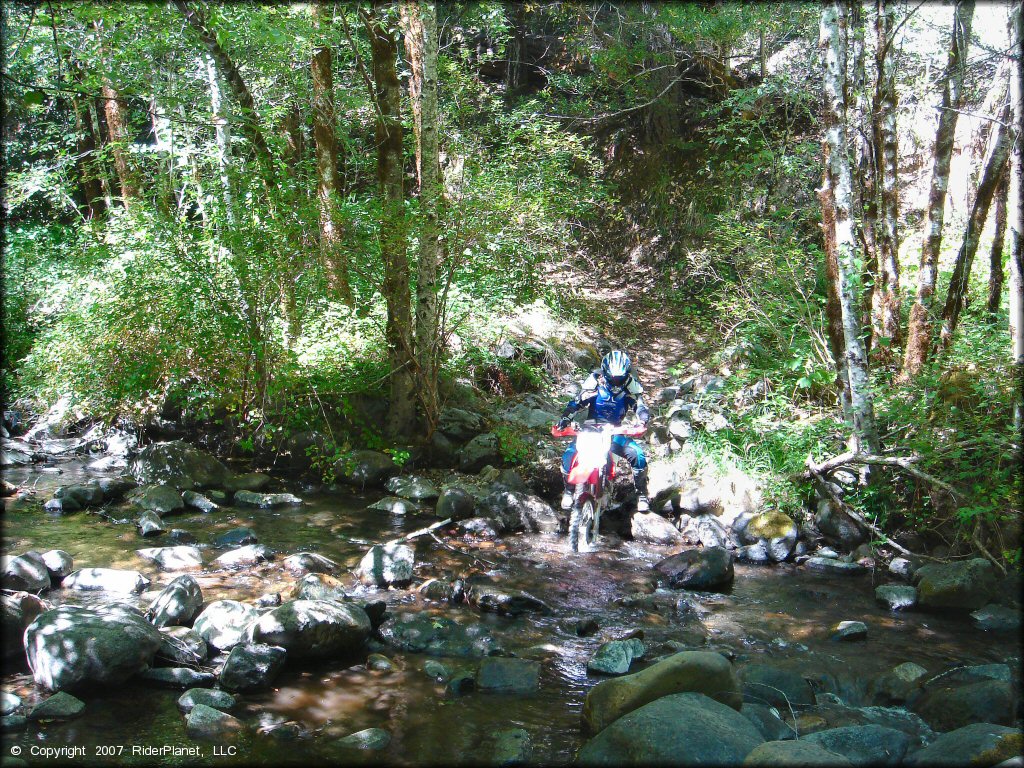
(615, 367)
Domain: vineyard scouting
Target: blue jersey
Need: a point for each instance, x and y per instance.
(607, 404)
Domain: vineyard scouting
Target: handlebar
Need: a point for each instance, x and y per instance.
(572, 430)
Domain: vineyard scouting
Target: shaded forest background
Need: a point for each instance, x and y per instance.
(252, 219)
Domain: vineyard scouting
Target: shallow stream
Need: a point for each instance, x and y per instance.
(780, 615)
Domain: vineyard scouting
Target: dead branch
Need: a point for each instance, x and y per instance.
(421, 532)
(906, 463)
(457, 551)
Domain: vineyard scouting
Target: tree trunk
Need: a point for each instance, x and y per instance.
(995, 259)
(994, 165)
(401, 421)
(886, 292)
(833, 308)
(223, 132)
(1016, 205)
(290, 265)
(420, 21)
(835, 148)
(919, 325)
(515, 16)
(328, 186)
(239, 90)
(117, 131)
(89, 172)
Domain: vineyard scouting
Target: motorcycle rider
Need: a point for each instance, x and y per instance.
(608, 394)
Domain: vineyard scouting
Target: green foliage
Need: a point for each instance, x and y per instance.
(514, 448)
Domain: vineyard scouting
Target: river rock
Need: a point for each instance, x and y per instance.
(796, 754)
(394, 505)
(223, 623)
(309, 562)
(896, 596)
(864, 744)
(62, 506)
(114, 488)
(850, 630)
(181, 645)
(677, 729)
(481, 451)
(161, 499)
(412, 487)
(481, 527)
(178, 464)
(514, 511)
(370, 739)
(775, 530)
(964, 585)
(836, 525)
(265, 500)
(614, 658)
(653, 528)
(830, 715)
(512, 746)
(251, 667)
(368, 469)
(833, 566)
(59, 564)
(249, 481)
(386, 564)
(902, 568)
(694, 671)
(26, 572)
(179, 558)
(455, 503)
(313, 628)
(210, 724)
(946, 707)
(781, 688)
(84, 494)
(236, 537)
(9, 703)
(753, 553)
(898, 684)
(492, 599)
(149, 524)
(60, 706)
(209, 697)
(508, 675)
(107, 579)
(698, 568)
(250, 554)
(177, 604)
(767, 720)
(460, 424)
(76, 646)
(196, 500)
(997, 618)
(17, 611)
(319, 586)
(437, 636)
(979, 744)
(178, 677)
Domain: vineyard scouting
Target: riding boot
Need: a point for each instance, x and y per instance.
(567, 492)
(640, 483)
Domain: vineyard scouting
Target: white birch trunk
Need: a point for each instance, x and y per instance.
(223, 135)
(835, 146)
(1016, 212)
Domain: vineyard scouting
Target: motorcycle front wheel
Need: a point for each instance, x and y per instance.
(581, 522)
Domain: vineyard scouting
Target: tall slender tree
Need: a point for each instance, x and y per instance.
(919, 324)
(1016, 205)
(833, 43)
(996, 274)
(328, 186)
(117, 129)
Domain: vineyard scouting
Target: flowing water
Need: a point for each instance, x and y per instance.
(780, 615)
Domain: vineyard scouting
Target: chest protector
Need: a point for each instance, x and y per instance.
(609, 406)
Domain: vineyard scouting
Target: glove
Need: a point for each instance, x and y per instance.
(563, 422)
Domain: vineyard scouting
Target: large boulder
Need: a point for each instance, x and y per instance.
(793, 754)
(368, 469)
(965, 585)
(302, 563)
(180, 558)
(26, 572)
(775, 530)
(182, 646)
(74, 646)
(319, 586)
(386, 564)
(313, 628)
(780, 688)
(161, 499)
(84, 494)
(898, 684)
(653, 528)
(479, 452)
(979, 744)
(223, 623)
(412, 487)
(106, 579)
(514, 511)
(693, 671)
(678, 729)
(698, 568)
(242, 557)
(836, 525)
(178, 464)
(205, 722)
(455, 503)
(459, 424)
(17, 611)
(946, 707)
(59, 563)
(768, 721)
(614, 657)
(251, 667)
(864, 744)
(177, 604)
(995, 618)
(897, 597)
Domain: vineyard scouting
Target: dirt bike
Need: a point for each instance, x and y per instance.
(591, 474)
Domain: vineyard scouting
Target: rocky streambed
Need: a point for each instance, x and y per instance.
(212, 614)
